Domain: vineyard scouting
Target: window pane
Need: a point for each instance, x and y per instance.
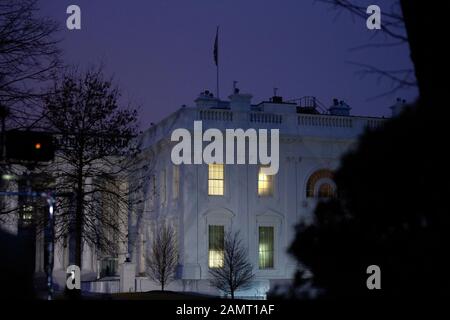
(265, 184)
(215, 179)
(216, 244)
(266, 247)
(314, 179)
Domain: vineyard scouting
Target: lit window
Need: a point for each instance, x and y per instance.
(266, 247)
(216, 245)
(215, 180)
(265, 184)
(175, 181)
(27, 214)
(316, 184)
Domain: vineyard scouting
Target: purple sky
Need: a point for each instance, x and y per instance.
(161, 51)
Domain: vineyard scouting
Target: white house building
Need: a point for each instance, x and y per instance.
(205, 201)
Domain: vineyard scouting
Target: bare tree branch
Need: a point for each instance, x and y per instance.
(236, 272)
(29, 56)
(163, 258)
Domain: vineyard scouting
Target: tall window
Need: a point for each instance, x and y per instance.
(216, 246)
(175, 181)
(215, 180)
(265, 184)
(266, 247)
(27, 215)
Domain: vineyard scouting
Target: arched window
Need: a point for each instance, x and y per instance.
(321, 185)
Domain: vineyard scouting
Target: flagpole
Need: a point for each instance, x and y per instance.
(216, 60)
(217, 82)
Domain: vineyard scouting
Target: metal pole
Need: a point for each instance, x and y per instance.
(50, 245)
(218, 94)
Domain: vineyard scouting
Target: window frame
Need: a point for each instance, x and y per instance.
(273, 264)
(271, 181)
(210, 266)
(316, 179)
(216, 179)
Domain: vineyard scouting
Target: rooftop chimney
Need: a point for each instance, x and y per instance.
(339, 108)
(276, 98)
(206, 99)
(239, 101)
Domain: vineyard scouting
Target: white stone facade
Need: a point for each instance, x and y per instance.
(309, 143)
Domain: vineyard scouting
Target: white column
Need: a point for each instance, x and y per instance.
(127, 277)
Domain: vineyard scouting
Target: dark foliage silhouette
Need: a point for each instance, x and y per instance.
(391, 212)
(392, 209)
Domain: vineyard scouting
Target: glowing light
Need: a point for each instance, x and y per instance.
(216, 258)
(265, 184)
(37, 146)
(215, 179)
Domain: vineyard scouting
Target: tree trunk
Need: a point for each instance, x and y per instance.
(79, 218)
(78, 232)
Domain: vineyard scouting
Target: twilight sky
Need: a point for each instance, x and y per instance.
(160, 52)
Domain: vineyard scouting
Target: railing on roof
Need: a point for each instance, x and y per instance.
(312, 102)
(216, 115)
(324, 121)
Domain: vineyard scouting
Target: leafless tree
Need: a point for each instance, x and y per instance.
(236, 272)
(28, 58)
(97, 156)
(163, 258)
(394, 33)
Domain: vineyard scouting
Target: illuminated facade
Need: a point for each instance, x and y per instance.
(204, 202)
